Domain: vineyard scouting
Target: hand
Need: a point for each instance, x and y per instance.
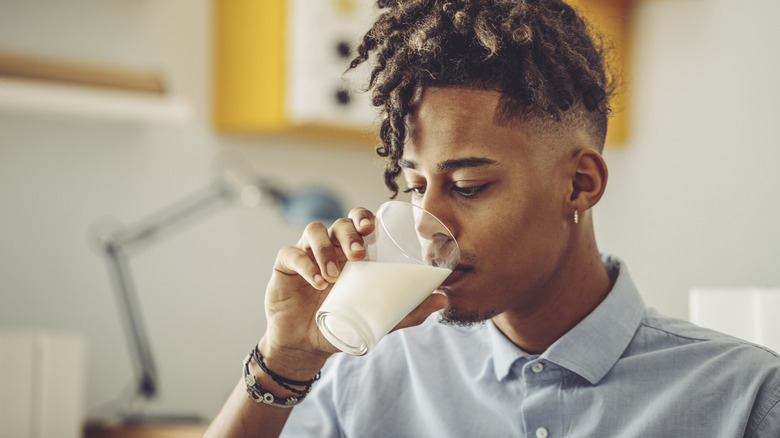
(303, 276)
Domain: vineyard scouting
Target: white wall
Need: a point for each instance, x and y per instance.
(690, 199)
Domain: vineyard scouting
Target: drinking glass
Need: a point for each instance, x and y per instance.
(409, 254)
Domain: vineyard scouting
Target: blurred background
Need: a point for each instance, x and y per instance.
(690, 200)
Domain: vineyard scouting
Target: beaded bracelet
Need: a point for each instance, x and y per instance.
(260, 395)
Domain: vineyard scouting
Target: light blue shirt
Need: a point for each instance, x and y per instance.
(624, 371)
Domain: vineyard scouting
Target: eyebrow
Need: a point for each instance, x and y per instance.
(448, 165)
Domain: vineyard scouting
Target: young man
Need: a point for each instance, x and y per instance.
(495, 114)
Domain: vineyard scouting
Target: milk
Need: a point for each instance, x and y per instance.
(370, 298)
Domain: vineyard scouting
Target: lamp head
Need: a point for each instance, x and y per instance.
(310, 204)
(297, 206)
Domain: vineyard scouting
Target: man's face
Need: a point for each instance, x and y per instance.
(502, 197)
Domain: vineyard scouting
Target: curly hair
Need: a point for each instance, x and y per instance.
(539, 54)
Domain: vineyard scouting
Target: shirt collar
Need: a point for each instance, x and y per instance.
(505, 353)
(593, 346)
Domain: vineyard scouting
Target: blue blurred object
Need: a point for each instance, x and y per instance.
(311, 204)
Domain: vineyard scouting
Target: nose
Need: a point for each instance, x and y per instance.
(429, 226)
(436, 238)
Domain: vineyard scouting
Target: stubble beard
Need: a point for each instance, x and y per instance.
(453, 316)
(462, 317)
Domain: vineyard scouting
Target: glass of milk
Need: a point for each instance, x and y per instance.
(409, 254)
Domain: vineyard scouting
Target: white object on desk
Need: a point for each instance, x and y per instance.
(41, 384)
(752, 314)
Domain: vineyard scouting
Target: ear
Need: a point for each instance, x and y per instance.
(589, 179)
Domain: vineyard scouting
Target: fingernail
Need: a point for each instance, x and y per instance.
(356, 247)
(318, 279)
(333, 270)
(365, 222)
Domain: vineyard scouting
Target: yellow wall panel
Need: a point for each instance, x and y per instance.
(611, 18)
(249, 64)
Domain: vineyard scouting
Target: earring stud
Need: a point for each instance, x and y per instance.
(576, 216)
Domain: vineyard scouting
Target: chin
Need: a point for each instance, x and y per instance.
(453, 315)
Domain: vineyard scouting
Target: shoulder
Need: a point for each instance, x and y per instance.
(714, 360)
(741, 374)
(670, 339)
(660, 331)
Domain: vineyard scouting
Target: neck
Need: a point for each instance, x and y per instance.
(578, 286)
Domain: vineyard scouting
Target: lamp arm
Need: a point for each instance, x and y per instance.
(130, 311)
(121, 243)
(171, 217)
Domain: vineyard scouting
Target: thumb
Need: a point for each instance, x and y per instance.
(433, 303)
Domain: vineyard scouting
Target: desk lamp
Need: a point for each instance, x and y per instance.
(118, 244)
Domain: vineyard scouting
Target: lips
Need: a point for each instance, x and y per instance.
(457, 274)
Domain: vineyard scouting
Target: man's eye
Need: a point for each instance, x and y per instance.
(416, 191)
(469, 192)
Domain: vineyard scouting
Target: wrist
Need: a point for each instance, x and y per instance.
(267, 387)
(265, 381)
(258, 393)
(290, 363)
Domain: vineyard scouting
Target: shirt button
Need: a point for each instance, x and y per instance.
(541, 432)
(538, 367)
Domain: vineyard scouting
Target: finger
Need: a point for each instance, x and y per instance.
(433, 303)
(318, 241)
(292, 260)
(316, 238)
(363, 220)
(349, 232)
(345, 235)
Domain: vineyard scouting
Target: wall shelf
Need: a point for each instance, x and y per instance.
(62, 87)
(81, 101)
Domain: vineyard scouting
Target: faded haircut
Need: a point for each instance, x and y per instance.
(539, 54)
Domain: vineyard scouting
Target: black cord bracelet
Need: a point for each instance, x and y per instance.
(260, 395)
(281, 380)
